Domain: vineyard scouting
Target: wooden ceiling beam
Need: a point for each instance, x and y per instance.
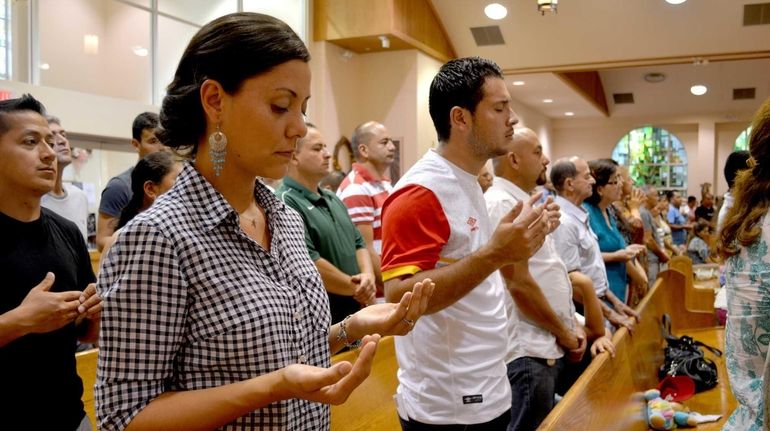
(358, 24)
(589, 86)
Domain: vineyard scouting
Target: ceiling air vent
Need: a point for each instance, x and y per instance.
(623, 98)
(489, 35)
(743, 93)
(756, 14)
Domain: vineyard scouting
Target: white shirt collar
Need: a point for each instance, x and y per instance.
(508, 187)
(569, 208)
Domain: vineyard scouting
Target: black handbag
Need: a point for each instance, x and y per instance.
(684, 357)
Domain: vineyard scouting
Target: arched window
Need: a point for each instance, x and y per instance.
(742, 141)
(653, 156)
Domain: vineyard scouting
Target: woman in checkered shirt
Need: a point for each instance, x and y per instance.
(214, 315)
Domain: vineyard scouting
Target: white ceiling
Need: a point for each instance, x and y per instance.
(623, 40)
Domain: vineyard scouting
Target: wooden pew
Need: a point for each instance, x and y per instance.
(95, 258)
(371, 406)
(695, 299)
(608, 396)
(86, 366)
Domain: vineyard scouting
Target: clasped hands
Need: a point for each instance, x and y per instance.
(44, 311)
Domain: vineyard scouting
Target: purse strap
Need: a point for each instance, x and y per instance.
(665, 330)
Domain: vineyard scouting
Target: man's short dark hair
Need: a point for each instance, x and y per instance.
(736, 162)
(459, 82)
(691, 198)
(561, 171)
(670, 194)
(11, 106)
(143, 121)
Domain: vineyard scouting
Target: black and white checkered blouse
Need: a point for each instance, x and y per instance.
(191, 302)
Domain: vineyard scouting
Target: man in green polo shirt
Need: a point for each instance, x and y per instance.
(334, 243)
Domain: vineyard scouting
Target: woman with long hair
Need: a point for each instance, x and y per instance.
(743, 244)
(215, 316)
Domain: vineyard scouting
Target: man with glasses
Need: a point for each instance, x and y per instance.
(367, 186)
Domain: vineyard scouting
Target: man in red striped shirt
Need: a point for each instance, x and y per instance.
(366, 187)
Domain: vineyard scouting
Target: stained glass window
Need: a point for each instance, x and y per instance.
(654, 156)
(742, 141)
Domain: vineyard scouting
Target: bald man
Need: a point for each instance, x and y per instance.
(367, 186)
(540, 309)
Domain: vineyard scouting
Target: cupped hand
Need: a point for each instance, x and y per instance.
(520, 233)
(393, 318)
(331, 385)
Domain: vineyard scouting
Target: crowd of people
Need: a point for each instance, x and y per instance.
(500, 279)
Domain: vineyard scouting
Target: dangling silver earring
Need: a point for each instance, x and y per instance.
(217, 150)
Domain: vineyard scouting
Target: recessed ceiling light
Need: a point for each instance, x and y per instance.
(518, 83)
(675, 1)
(569, 114)
(495, 11)
(698, 90)
(140, 51)
(655, 77)
(44, 66)
(547, 100)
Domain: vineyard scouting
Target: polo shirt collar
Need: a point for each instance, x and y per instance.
(306, 193)
(363, 172)
(510, 188)
(573, 210)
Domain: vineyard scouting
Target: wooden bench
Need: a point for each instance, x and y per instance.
(86, 366)
(95, 258)
(695, 298)
(608, 396)
(370, 407)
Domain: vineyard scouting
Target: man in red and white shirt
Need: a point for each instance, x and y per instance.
(435, 224)
(366, 187)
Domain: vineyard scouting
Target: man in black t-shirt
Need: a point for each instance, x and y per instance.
(706, 210)
(47, 297)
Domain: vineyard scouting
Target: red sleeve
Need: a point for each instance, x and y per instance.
(414, 231)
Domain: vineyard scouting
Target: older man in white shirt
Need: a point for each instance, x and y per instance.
(577, 244)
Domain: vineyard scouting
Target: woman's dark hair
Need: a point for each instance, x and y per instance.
(735, 163)
(229, 50)
(751, 191)
(602, 170)
(153, 167)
